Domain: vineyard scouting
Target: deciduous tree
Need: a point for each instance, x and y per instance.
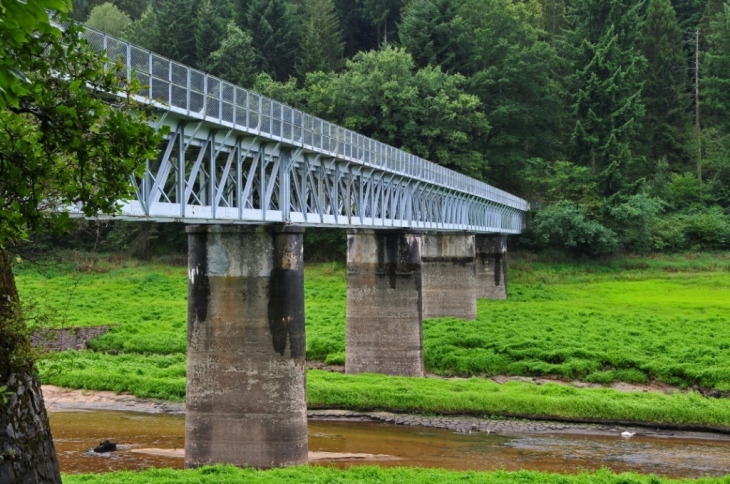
(64, 140)
(109, 19)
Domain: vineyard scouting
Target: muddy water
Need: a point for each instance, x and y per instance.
(76, 433)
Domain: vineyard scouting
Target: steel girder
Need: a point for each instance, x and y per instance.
(209, 175)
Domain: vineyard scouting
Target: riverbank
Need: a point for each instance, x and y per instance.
(63, 399)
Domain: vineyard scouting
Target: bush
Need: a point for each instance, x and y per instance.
(566, 227)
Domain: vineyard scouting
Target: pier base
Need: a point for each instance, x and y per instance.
(246, 397)
(384, 331)
(491, 266)
(449, 275)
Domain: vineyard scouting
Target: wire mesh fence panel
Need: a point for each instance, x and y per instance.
(253, 110)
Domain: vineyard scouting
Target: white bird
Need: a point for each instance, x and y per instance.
(627, 435)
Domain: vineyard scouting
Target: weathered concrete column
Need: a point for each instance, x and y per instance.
(246, 396)
(384, 331)
(491, 257)
(449, 275)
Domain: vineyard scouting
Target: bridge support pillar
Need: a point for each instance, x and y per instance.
(384, 331)
(449, 275)
(491, 266)
(246, 396)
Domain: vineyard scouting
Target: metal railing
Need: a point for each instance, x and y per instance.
(190, 92)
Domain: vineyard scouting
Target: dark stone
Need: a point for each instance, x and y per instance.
(105, 446)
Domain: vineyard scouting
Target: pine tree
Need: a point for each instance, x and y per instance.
(235, 60)
(554, 12)
(143, 32)
(716, 82)
(664, 93)
(273, 26)
(689, 12)
(427, 34)
(322, 45)
(176, 29)
(606, 84)
(209, 31)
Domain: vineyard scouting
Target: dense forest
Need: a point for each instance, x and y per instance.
(609, 116)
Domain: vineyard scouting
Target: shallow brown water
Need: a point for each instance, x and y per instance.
(75, 433)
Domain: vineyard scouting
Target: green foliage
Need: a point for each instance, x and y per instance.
(321, 45)
(61, 143)
(175, 28)
(554, 12)
(235, 60)
(360, 474)
(635, 217)
(426, 32)
(606, 83)
(566, 226)
(716, 81)
(108, 18)
(562, 180)
(274, 28)
(665, 97)
(425, 111)
(210, 29)
(23, 25)
(511, 68)
(143, 32)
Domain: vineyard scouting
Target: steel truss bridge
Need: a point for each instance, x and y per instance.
(235, 156)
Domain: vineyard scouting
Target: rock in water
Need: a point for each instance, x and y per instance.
(105, 447)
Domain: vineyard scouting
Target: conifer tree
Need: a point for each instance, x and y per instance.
(322, 45)
(554, 12)
(176, 30)
(689, 12)
(143, 32)
(664, 94)
(606, 84)
(209, 31)
(273, 26)
(235, 60)
(716, 82)
(427, 34)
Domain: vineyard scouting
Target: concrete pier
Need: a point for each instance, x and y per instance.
(384, 331)
(491, 266)
(246, 396)
(449, 275)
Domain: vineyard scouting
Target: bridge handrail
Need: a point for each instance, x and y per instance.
(199, 95)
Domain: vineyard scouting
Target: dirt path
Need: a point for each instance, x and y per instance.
(63, 399)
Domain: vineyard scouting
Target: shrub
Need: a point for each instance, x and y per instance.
(566, 227)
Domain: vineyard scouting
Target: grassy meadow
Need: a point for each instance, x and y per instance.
(634, 320)
(359, 474)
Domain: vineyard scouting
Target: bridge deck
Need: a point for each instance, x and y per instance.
(235, 156)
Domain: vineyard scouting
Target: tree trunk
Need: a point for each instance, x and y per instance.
(27, 454)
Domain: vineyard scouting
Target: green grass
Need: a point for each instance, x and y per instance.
(673, 329)
(628, 320)
(332, 475)
(163, 376)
